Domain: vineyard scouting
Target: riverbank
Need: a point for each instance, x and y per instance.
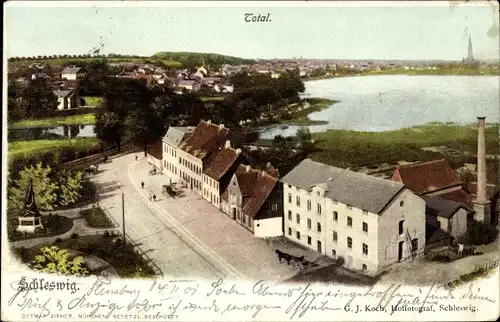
(92, 101)
(30, 148)
(309, 105)
(352, 148)
(82, 119)
(413, 72)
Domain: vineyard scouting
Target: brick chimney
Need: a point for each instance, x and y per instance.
(238, 151)
(221, 126)
(209, 122)
(227, 145)
(247, 167)
(482, 205)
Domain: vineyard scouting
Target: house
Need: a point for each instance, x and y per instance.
(171, 141)
(65, 99)
(72, 73)
(191, 85)
(448, 215)
(193, 154)
(369, 222)
(218, 170)
(154, 155)
(254, 198)
(428, 178)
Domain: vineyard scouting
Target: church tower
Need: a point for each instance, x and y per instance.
(470, 54)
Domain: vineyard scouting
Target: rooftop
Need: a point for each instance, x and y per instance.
(176, 135)
(351, 188)
(205, 138)
(425, 177)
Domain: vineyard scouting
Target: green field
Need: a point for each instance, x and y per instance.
(29, 148)
(211, 98)
(92, 101)
(82, 119)
(349, 148)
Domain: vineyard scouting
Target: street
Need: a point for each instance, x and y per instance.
(185, 236)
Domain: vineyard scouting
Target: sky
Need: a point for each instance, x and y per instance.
(343, 31)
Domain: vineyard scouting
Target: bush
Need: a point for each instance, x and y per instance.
(106, 234)
(74, 236)
(480, 233)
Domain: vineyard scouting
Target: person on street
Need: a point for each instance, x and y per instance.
(136, 158)
(142, 184)
(154, 197)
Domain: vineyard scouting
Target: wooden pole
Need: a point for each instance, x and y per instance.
(123, 217)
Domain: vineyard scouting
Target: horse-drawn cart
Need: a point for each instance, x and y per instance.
(170, 190)
(299, 263)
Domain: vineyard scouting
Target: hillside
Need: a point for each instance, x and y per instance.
(189, 59)
(168, 59)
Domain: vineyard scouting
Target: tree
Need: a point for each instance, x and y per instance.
(109, 128)
(144, 126)
(39, 98)
(45, 189)
(466, 177)
(16, 104)
(71, 186)
(55, 260)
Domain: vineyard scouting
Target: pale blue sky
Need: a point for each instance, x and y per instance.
(435, 32)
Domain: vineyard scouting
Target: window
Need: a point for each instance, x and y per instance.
(401, 227)
(365, 212)
(401, 204)
(298, 201)
(289, 186)
(335, 237)
(309, 239)
(349, 207)
(438, 223)
(364, 267)
(334, 253)
(308, 204)
(309, 223)
(319, 208)
(298, 218)
(289, 215)
(275, 207)
(319, 227)
(320, 249)
(289, 231)
(298, 235)
(349, 221)
(365, 227)
(335, 216)
(290, 198)
(365, 249)
(349, 242)
(414, 244)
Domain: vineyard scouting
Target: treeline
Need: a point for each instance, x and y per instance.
(189, 60)
(67, 56)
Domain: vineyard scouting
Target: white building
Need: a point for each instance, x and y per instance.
(370, 222)
(65, 99)
(171, 141)
(72, 73)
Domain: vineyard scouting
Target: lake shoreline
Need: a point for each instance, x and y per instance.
(407, 73)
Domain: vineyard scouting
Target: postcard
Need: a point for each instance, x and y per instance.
(251, 161)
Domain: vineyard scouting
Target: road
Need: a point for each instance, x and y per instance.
(186, 236)
(161, 238)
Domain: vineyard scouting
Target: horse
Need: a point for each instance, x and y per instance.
(460, 250)
(282, 255)
(91, 169)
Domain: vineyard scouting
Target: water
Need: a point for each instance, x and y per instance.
(381, 103)
(51, 133)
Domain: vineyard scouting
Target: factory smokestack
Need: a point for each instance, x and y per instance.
(481, 204)
(481, 160)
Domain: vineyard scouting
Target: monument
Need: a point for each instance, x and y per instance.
(30, 218)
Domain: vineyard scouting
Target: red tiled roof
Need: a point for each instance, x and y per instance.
(221, 162)
(204, 139)
(256, 185)
(426, 177)
(155, 150)
(246, 180)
